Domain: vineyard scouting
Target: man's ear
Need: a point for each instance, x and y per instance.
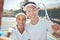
(38, 10)
(27, 15)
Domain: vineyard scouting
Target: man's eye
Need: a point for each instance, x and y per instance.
(35, 9)
(28, 11)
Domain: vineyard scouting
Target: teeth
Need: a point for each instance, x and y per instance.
(32, 16)
(20, 24)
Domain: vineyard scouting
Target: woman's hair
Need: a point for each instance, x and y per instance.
(20, 14)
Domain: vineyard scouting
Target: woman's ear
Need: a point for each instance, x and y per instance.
(16, 20)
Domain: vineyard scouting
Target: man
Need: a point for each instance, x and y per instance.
(19, 32)
(37, 28)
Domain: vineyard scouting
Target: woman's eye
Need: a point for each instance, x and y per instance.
(18, 19)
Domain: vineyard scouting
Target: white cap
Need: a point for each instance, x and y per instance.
(24, 8)
(20, 14)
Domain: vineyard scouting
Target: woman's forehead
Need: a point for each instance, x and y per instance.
(21, 16)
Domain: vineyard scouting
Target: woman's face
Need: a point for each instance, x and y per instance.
(32, 12)
(21, 20)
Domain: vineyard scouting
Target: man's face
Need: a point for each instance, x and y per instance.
(21, 20)
(32, 12)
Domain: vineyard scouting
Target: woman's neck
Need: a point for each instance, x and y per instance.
(21, 29)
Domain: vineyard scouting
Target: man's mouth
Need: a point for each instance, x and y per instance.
(32, 16)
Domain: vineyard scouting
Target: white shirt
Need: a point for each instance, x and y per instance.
(39, 31)
(16, 35)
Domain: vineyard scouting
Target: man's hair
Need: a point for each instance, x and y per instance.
(28, 4)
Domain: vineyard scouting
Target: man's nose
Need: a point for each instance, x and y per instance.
(21, 21)
(32, 12)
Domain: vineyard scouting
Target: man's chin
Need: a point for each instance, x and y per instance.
(33, 18)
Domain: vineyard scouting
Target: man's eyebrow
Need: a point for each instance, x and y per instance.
(24, 17)
(34, 8)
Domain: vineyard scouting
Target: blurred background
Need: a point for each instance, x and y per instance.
(48, 9)
(12, 7)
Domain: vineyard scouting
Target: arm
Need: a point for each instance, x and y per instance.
(49, 27)
(53, 28)
(4, 38)
(10, 31)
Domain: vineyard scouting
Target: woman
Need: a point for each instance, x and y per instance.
(19, 32)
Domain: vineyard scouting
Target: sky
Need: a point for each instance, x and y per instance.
(15, 4)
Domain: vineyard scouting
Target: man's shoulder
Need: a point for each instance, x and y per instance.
(28, 23)
(44, 20)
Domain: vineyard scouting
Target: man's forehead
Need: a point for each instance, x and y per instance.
(29, 7)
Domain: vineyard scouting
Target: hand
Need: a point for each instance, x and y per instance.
(56, 29)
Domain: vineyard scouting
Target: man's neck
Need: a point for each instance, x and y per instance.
(35, 21)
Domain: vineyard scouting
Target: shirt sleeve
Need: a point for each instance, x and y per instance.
(12, 37)
(49, 26)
